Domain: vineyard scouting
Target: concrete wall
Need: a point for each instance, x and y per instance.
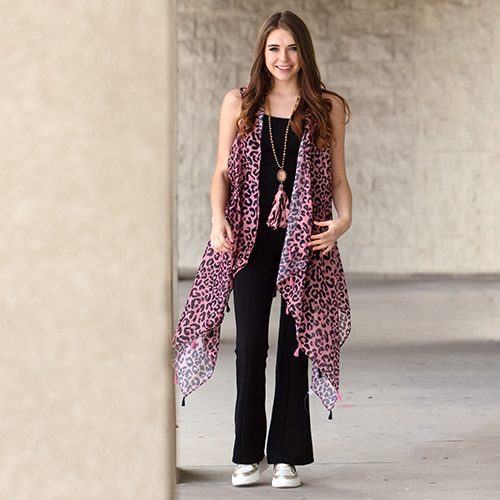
(422, 77)
(86, 256)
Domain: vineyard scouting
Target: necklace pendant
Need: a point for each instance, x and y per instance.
(281, 175)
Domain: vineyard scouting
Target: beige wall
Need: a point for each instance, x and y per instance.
(85, 253)
(423, 149)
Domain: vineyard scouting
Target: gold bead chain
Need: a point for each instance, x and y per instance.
(281, 175)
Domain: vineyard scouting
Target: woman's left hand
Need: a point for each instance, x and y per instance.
(326, 240)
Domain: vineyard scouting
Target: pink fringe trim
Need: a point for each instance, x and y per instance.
(296, 353)
(278, 217)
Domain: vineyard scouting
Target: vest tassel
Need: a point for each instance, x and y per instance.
(278, 217)
(330, 417)
(183, 401)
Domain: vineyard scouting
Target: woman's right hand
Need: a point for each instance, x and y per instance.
(221, 238)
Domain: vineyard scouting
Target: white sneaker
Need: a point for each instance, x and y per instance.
(285, 476)
(248, 473)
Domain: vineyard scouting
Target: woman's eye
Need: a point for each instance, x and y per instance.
(273, 49)
(293, 49)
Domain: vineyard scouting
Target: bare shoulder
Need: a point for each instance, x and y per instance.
(233, 100)
(338, 107)
(228, 124)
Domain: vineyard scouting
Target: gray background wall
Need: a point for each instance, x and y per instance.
(423, 80)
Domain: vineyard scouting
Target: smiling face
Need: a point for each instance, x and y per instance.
(281, 55)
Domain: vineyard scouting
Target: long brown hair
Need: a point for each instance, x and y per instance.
(311, 87)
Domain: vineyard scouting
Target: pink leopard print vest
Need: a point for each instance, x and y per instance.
(312, 284)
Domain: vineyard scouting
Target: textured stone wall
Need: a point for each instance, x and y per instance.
(422, 78)
(84, 250)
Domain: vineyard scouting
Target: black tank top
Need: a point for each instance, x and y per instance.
(268, 182)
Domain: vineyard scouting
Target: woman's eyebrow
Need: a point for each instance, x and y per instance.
(277, 45)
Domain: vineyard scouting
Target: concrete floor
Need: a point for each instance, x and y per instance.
(420, 416)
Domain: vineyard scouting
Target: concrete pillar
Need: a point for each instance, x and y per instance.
(86, 295)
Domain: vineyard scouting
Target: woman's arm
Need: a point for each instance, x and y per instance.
(221, 237)
(341, 192)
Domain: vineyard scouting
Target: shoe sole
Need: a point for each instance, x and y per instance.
(246, 480)
(283, 482)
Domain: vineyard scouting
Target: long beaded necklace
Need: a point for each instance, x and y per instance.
(278, 216)
(281, 175)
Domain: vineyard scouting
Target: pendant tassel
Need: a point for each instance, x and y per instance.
(278, 217)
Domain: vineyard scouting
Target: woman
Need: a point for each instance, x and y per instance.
(280, 162)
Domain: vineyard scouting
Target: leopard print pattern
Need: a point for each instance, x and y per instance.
(197, 337)
(312, 285)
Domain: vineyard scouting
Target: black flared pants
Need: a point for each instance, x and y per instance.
(289, 440)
